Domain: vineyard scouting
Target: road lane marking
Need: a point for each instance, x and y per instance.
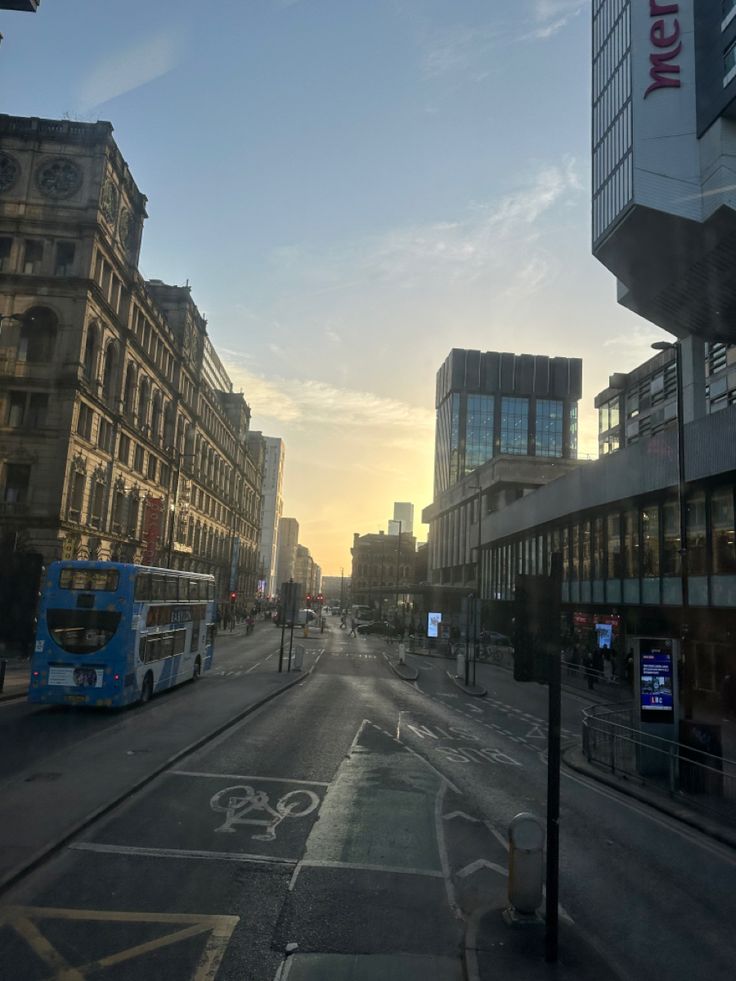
(220, 929)
(256, 665)
(246, 857)
(477, 865)
(240, 776)
(439, 803)
(462, 814)
(318, 863)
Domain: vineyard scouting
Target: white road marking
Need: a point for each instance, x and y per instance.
(477, 865)
(240, 776)
(94, 846)
(462, 814)
(442, 849)
(256, 665)
(360, 867)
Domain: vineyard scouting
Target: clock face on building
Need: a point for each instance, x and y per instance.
(9, 171)
(59, 178)
(109, 202)
(126, 229)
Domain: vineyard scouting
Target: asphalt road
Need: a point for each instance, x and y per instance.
(362, 819)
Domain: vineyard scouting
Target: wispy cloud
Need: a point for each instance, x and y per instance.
(551, 16)
(306, 402)
(128, 68)
(495, 239)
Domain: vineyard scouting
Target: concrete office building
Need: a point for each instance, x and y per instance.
(616, 523)
(271, 513)
(288, 539)
(506, 424)
(664, 160)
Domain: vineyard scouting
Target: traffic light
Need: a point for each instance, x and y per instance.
(309, 601)
(233, 597)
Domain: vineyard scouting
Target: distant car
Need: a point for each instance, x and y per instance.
(303, 617)
(382, 627)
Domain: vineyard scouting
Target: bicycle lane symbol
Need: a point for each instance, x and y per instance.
(243, 805)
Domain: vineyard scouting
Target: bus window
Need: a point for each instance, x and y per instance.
(210, 589)
(82, 631)
(180, 640)
(172, 588)
(193, 593)
(158, 587)
(143, 586)
(194, 642)
(90, 580)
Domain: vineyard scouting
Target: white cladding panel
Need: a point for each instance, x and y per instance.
(666, 153)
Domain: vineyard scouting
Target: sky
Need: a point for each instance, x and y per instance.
(352, 188)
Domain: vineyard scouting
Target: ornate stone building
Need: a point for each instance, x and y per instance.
(120, 434)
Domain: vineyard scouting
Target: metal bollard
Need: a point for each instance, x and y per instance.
(402, 653)
(460, 670)
(526, 863)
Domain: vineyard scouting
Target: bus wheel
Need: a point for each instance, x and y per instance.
(147, 689)
(196, 674)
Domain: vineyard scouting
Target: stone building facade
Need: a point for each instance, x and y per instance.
(120, 434)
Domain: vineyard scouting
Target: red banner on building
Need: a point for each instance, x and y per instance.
(153, 510)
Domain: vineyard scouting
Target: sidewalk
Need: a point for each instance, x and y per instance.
(17, 670)
(496, 948)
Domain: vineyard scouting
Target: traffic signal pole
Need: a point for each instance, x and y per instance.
(553, 808)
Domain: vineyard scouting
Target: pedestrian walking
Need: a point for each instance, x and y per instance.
(589, 670)
(353, 627)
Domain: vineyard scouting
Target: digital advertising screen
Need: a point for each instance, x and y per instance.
(656, 684)
(604, 634)
(433, 624)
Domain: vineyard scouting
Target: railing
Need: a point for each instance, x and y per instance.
(693, 776)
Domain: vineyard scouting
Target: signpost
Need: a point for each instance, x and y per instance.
(290, 594)
(537, 658)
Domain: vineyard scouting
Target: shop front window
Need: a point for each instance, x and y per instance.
(631, 545)
(722, 531)
(671, 539)
(650, 541)
(696, 550)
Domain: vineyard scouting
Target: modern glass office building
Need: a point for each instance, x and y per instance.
(506, 424)
(491, 404)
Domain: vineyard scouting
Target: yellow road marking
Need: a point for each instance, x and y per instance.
(219, 928)
(48, 953)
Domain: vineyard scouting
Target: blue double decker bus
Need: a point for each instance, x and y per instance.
(110, 634)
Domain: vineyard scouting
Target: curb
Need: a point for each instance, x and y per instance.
(478, 692)
(653, 800)
(48, 850)
(396, 671)
(9, 696)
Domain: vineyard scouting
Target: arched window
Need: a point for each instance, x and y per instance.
(90, 352)
(37, 335)
(156, 417)
(144, 391)
(129, 394)
(109, 374)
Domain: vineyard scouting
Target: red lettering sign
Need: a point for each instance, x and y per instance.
(664, 35)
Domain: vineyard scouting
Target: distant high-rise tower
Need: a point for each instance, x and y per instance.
(288, 541)
(273, 506)
(404, 513)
